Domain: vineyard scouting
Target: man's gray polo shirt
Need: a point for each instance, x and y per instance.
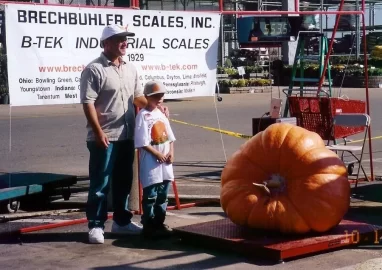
(112, 89)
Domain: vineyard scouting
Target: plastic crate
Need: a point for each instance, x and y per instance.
(316, 114)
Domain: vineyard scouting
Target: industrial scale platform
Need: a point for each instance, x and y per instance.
(260, 244)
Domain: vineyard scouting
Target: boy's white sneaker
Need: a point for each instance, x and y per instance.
(96, 236)
(132, 228)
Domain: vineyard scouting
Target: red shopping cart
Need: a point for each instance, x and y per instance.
(316, 114)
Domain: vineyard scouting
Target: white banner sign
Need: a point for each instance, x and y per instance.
(48, 47)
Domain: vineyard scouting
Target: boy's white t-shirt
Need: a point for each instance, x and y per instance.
(153, 128)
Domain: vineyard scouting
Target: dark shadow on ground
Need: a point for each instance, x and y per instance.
(367, 214)
(215, 174)
(368, 192)
(201, 164)
(208, 169)
(67, 236)
(220, 258)
(216, 213)
(364, 203)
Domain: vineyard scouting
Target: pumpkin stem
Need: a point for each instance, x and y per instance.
(274, 183)
(264, 187)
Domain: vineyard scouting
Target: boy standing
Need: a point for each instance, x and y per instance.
(154, 138)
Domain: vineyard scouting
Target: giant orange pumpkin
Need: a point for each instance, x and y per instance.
(285, 179)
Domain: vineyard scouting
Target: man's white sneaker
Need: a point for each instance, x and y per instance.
(96, 236)
(132, 228)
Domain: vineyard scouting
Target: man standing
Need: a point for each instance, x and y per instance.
(110, 88)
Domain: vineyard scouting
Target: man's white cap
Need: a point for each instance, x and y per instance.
(115, 30)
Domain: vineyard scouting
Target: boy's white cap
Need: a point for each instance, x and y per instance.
(153, 88)
(115, 30)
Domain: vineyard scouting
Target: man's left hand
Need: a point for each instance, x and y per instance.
(164, 110)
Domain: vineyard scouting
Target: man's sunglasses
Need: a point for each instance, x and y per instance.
(119, 39)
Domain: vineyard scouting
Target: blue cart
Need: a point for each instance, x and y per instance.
(21, 187)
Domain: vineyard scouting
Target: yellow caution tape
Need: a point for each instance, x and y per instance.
(226, 132)
(373, 138)
(242, 136)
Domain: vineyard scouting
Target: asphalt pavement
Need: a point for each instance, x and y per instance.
(52, 138)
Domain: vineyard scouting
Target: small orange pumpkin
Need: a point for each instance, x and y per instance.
(158, 133)
(285, 179)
